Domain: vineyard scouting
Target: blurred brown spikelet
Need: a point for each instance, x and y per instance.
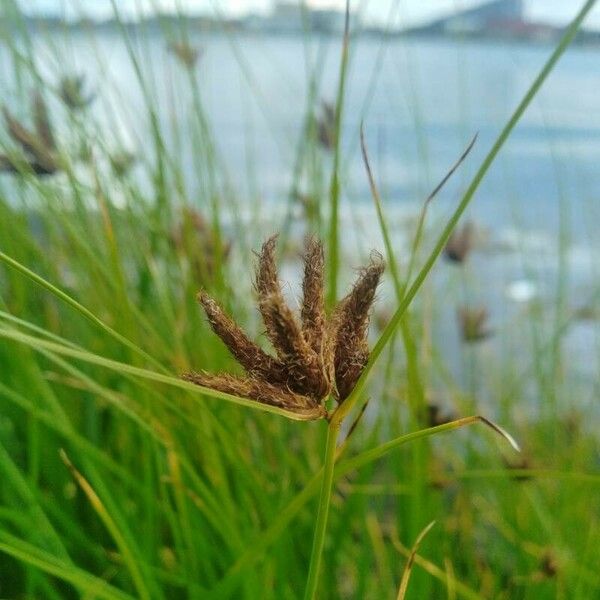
(316, 356)
(194, 238)
(72, 92)
(473, 324)
(39, 145)
(122, 162)
(523, 463)
(435, 416)
(549, 565)
(326, 126)
(187, 54)
(460, 244)
(42, 122)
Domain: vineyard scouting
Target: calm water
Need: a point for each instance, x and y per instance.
(421, 101)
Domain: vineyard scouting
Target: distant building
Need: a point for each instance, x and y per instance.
(490, 15)
(294, 17)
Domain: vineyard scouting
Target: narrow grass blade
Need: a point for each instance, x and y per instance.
(373, 454)
(89, 585)
(98, 506)
(14, 264)
(260, 544)
(124, 368)
(461, 589)
(409, 563)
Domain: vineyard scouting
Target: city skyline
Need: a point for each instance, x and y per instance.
(404, 13)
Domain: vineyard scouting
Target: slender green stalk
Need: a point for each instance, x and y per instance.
(334, 190)
(324, 500)
(123, 368)
(341, 469)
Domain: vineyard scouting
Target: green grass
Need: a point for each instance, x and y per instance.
(120, 480)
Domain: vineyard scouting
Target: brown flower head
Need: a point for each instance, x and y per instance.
(73, 93)
(460, 244)
(326, 126)
(316, 355)
(122, 161)
(473, 324)
(193, 237)
(38, 145)
(434, 415)
(187, 54)
(523, 463)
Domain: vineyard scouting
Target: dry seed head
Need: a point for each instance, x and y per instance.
(19, 133)
(313, 357)
(187, 54)
(72, 92)
(460, 244)
(122, 161)
(39, 146)
(42, 122)
(282, 327)
(193, 237)
(326, 126)
(473, 324)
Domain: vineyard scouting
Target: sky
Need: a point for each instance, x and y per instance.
(409, 12)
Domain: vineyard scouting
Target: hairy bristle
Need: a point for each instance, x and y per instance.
(251, 356)
(42, 121)
(282, 327)
(305, 371)
(352, 313)
(351, 321)
(313, 297)
(348, 367)
(254, 389)
(267, 282)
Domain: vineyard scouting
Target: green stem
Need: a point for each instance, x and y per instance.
(334, 190)
(317, 550)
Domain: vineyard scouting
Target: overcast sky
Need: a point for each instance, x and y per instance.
(409, 11)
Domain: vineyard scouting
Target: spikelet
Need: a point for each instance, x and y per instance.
(351, 321)
(473, 324)
(38, 146)
(460, 244)
(72, 92)
(187, 54)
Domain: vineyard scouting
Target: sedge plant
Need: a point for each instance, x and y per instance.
(124, 356)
